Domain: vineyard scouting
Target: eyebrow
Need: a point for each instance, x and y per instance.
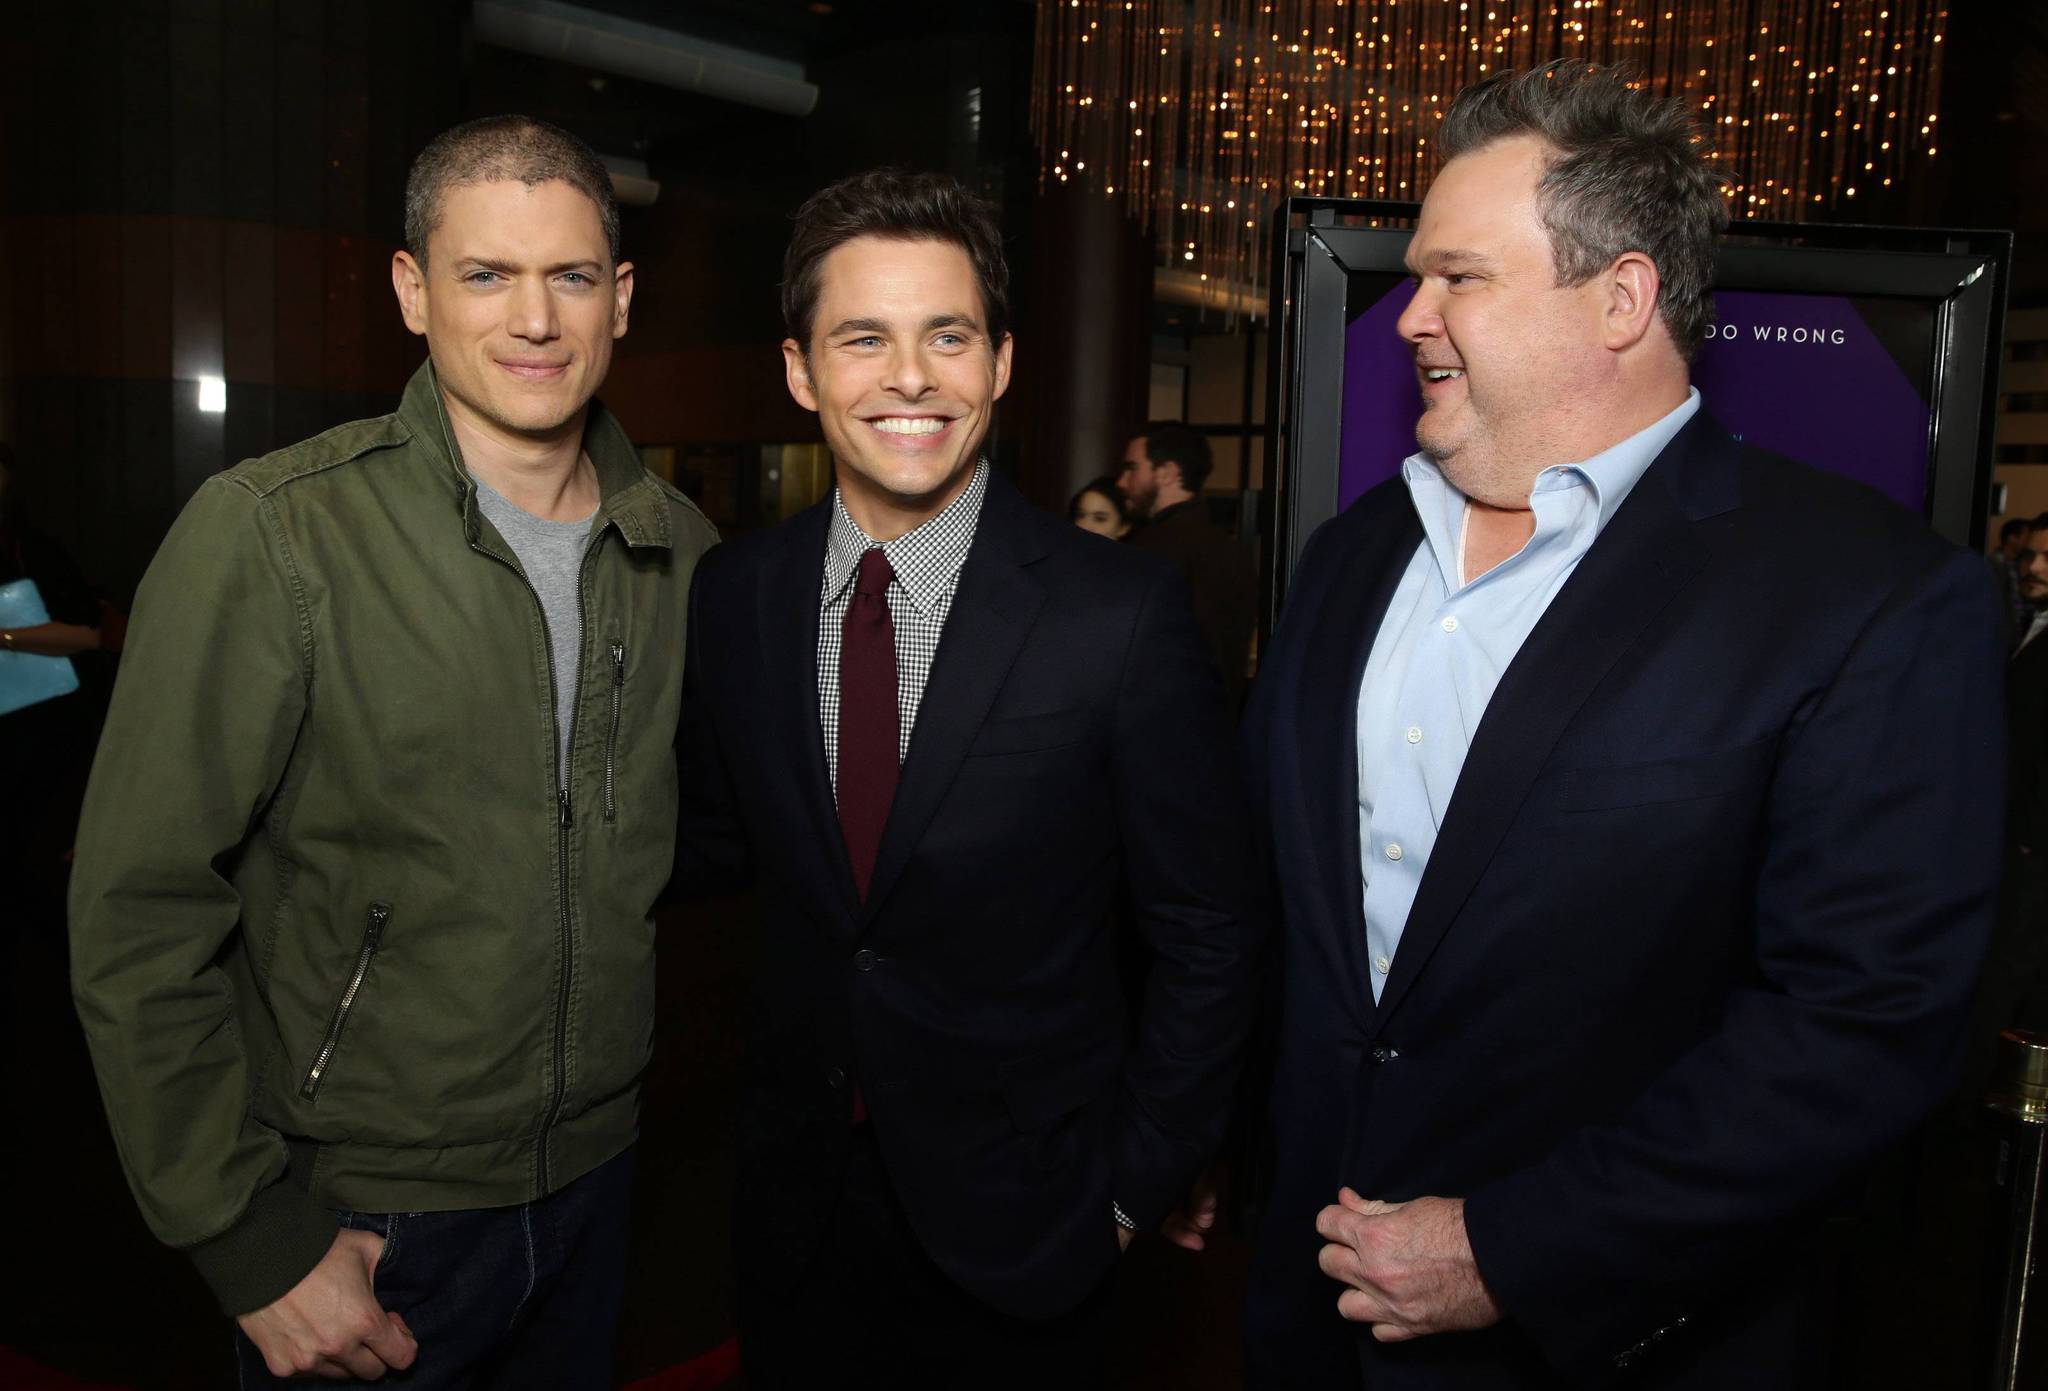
(936, 321)
(1450, 258)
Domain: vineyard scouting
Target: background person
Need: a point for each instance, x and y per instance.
(1099, 507)
(2015, 983)
(2006, 563)
(1163, 473)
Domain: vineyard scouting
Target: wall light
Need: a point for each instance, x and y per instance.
(213, 395)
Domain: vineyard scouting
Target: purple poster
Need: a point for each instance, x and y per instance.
(1832, 381)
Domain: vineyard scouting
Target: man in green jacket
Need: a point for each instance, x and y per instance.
(361, 929)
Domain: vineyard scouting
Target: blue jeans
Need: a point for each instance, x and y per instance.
(509, 1297)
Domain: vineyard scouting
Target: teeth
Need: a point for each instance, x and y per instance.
(909, 424)
(1443, 374)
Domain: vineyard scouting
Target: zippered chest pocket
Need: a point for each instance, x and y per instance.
(373, 935)
(611, 738)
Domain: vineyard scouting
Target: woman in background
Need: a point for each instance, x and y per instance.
(1099, 508)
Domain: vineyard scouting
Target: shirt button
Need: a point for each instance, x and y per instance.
(1450, 625)
(1393, 852)
(864, 960)
(1414, 733)
(1382, 964)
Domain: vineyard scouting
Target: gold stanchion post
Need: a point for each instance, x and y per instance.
(2018, 1107)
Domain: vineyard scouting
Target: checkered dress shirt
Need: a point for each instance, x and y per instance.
(927, 563)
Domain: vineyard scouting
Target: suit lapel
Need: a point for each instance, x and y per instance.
(992, 612)
(1642, 559)
(788, 622)
(1345, 626)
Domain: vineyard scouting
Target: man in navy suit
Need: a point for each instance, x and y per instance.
(1633, 798)
(953, 732)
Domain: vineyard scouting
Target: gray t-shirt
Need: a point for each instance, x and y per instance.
(551, 553)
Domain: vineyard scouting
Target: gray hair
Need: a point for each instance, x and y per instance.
(1629, 173)
(503, 147)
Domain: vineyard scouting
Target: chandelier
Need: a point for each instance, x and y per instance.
(1203, 114)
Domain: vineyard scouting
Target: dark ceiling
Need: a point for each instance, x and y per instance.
(809, 30)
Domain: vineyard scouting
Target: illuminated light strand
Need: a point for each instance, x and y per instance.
(1203, 114)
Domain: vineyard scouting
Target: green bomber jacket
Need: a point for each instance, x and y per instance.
(338, 938)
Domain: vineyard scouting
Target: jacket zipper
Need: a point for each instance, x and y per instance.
(373, 932)
(611, 739)
(565, 819)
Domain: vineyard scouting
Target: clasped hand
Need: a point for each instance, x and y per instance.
(1407, 1267)
(330, 1323)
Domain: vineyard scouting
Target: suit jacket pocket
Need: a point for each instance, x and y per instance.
(1663, 780)
(1029, 733)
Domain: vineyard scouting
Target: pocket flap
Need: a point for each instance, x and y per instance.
(1029, 733)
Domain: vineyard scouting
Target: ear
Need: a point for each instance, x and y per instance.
(1002, 368)
(409, 283)
(1630, 310)
(798, 374)
(622, 297)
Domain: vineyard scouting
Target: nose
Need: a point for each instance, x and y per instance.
(1422, 319)
(908, 375)
(530, 311)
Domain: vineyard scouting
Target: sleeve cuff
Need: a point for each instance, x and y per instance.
(267, 1250)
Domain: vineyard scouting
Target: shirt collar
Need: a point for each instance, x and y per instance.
(926, 559)
(1611, 474)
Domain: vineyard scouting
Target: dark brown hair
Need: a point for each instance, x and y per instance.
(897, 205)
(1629, 173)
(1104, 487)
(1172, 442)
(503, 147)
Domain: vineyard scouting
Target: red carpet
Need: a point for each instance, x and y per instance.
(17, 1373)
(713, 1369)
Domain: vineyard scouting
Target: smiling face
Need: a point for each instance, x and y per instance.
(519, 302)
(902, 374)
(1514, 368)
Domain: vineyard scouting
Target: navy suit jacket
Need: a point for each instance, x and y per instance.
(1071, 749)
(1695, 942)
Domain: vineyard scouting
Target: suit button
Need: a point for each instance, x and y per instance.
(1383, 1054)
(864, 960)
(835, 1077)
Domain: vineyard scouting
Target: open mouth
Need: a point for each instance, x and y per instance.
(1442, 374)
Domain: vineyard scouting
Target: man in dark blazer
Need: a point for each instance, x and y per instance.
(1163, 472)
(1634, 798)
(949, 731)
(2015, 987)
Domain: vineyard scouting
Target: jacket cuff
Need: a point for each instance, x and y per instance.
(270, 1248)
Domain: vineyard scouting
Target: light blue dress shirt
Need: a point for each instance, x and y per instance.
(1442, 649)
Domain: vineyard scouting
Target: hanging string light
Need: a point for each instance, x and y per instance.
(1203, 114)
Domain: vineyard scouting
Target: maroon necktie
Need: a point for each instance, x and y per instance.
(868, 760)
